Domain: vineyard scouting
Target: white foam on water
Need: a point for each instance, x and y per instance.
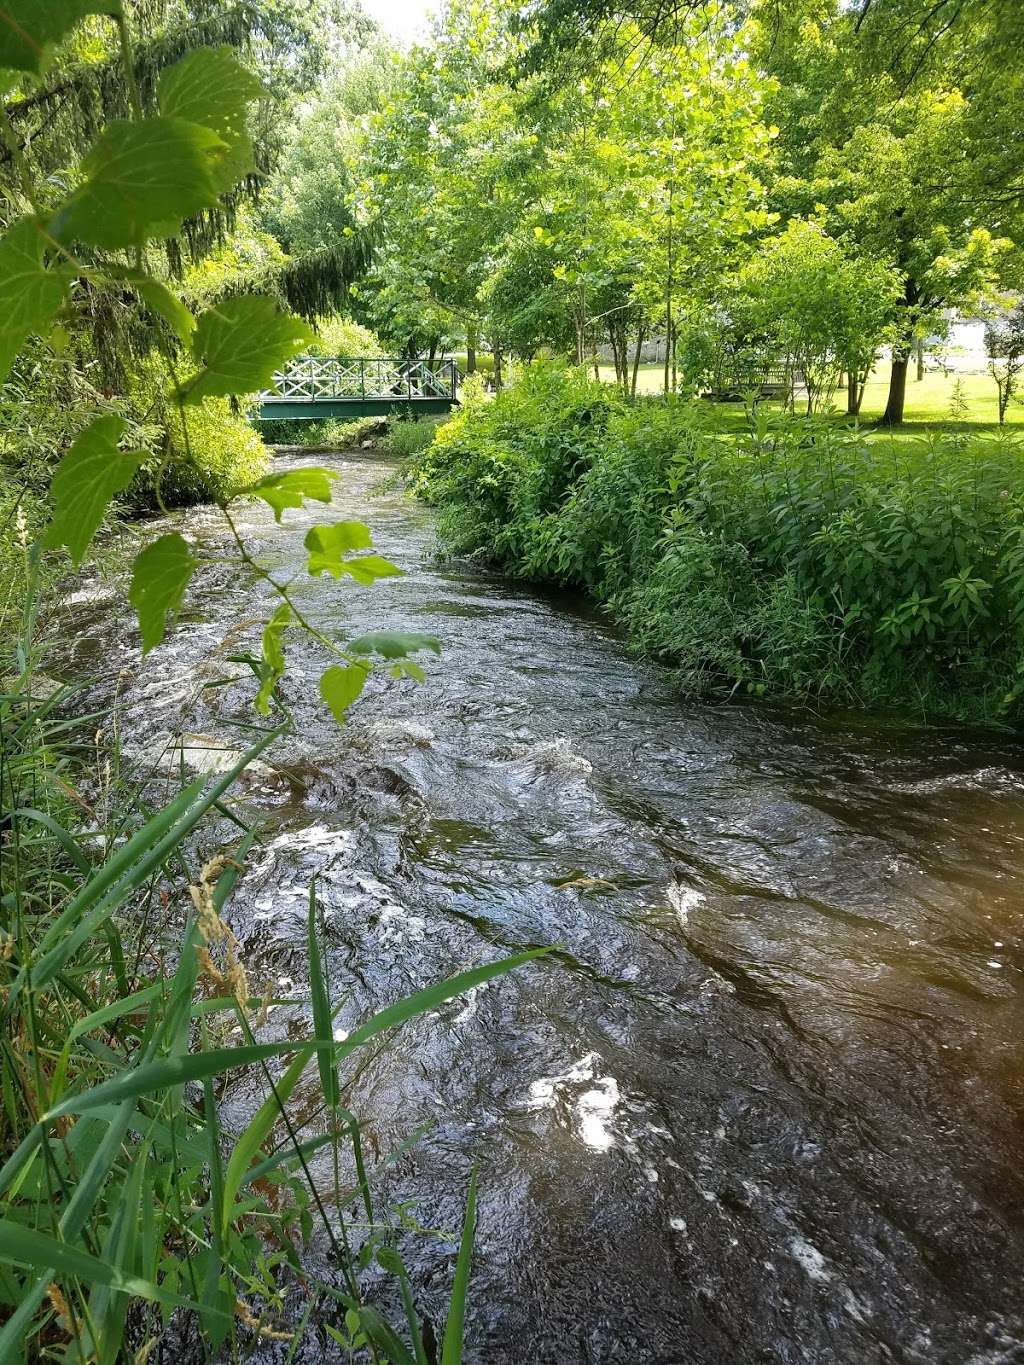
(595, 1109)
(543, 1089)
(683, 899)
(314, 836)
(810, 1259)
(396, 925)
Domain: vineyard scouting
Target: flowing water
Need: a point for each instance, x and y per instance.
(763, 1101)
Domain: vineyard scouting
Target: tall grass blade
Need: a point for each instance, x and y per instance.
(171, 1071)
(24, 1246)
(256, 1132)
(451, 1351)
(322, 1021)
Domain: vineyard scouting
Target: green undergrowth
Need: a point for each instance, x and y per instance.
(47, 401)
(320, 433)
(127, 1207)
(403, 438)
(407, 437)
(792, 559)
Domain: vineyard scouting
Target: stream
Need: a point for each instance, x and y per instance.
(763, 1101)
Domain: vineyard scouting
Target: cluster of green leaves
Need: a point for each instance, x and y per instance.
(115, 1188)
(798, 560)
(137, 184)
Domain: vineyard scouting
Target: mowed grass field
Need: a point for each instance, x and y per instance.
(929, 401)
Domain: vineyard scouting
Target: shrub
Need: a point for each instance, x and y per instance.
(224, 451)
(799, 559)
(408, 436)
(319, 434)
(342, 336)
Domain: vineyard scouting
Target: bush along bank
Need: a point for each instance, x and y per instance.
(798, 559)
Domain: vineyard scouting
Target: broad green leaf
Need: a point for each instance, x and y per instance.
(210, 87)
(393, 644)
(143, 179)
(291, 486)
(240, 343)
(273, 655)
(161, 573)
(340, 687)
(28, 27)
(327, 545)
(366, 569)
(31, 292)
(88, 477)
(451, 1351)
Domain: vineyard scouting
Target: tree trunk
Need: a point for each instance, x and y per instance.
(854, 393)
(893, 414)
(636, 361)
(920, 359)
(472, 337)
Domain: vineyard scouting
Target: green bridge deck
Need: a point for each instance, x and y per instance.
(313, 387)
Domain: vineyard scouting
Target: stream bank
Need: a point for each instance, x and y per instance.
(763, 1101)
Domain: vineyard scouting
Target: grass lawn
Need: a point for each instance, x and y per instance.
(928, 402)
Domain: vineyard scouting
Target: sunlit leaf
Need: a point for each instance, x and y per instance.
(28, 27)
(291, 487)
(273, 655)
(393, 644)
(366, 569)
(329, 545)
(142, 179)
(89, 476)
(340, 686)
(161, 574)
(240, 343)
(209, 86)
(31, 291)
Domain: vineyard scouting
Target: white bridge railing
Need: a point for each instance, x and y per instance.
(308, 379)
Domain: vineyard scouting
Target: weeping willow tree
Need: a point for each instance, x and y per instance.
(49, 122)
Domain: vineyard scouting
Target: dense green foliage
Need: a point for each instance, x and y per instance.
(121, 1199)
(576, 175)
(798, 560)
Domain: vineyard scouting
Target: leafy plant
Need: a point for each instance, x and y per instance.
(796, 559)
(122, 1200)
(137, 184)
